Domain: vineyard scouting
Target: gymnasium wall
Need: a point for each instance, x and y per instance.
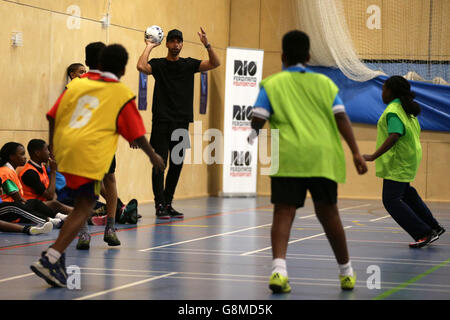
(265, 22)
(34, 73)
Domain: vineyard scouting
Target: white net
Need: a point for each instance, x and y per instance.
(331, 44)
(392, 37)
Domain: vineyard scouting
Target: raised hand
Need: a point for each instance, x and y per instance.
(149, 42)
(52, 164)
(203, 37)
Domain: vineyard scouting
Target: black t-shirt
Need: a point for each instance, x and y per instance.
(173, 94)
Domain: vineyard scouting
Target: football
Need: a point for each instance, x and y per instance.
(154, 34)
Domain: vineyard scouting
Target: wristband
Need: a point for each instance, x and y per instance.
(208, 46)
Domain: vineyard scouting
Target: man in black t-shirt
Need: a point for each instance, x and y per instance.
(172, 109)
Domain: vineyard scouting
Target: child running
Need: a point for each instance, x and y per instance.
(397, 160)
(84, 127)
(306, 109)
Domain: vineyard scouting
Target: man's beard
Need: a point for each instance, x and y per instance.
(174, 52)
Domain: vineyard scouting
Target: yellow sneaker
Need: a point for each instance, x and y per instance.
(348, 282)
(279, 283)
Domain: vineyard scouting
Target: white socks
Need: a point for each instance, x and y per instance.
(84, 229)
(53, 255)
(45, 228)
(55, 221)
(346, 269)
(279, 265)
(61, 216)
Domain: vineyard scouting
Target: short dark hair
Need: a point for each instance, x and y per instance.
(296, 47)
(8, 150)
(92, 51)
(113, 58)
(35, 145)
(72, 68)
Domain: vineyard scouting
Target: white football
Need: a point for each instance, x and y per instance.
(154, 34)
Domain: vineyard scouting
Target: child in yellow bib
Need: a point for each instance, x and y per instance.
(84, 126)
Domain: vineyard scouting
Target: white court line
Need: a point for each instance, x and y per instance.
(232, 275)
(311, 215)
(231, 232)
(309, 283)
(125, 286)
(293, 241)
(354, 207)
(202, 238)
(293, 280)
(17, 277)
(373, 220)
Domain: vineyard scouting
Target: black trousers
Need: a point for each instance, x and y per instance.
(406, 207)
(162, 141)
(33, 211)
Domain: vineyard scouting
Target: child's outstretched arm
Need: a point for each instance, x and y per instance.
(346, 131)
(155, 158)
(389, 143)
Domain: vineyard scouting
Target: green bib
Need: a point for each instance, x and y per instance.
(309, 140)
(400, 163)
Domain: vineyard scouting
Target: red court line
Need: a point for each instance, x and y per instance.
(141, 227)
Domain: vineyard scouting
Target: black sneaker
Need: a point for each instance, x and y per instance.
(131, 212)
(161, 212)
(84, 240)
(110, 237)
(173, 213)
(53, 273)
(433, 236)
(439, 230)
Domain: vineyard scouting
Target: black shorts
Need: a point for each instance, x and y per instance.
(112, 168)
(90, 190)
(292, 191)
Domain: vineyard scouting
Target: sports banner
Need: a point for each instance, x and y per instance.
(203, 92)
(243, 75)
(142, 98)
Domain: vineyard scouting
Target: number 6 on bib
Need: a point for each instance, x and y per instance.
(83, 111)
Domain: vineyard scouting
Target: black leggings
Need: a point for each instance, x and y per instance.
(33, 211)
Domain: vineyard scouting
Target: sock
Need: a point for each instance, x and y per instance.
(84, 229)
(55, 221)
(61, 216)
(279, 265)
(110, 223)
(26, 230)
(346, 269)
(52, 255)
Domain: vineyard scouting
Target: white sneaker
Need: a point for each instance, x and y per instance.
(61, 216)
(57, 223)
(45, 228)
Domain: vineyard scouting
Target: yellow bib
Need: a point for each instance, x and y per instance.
(85, 136)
